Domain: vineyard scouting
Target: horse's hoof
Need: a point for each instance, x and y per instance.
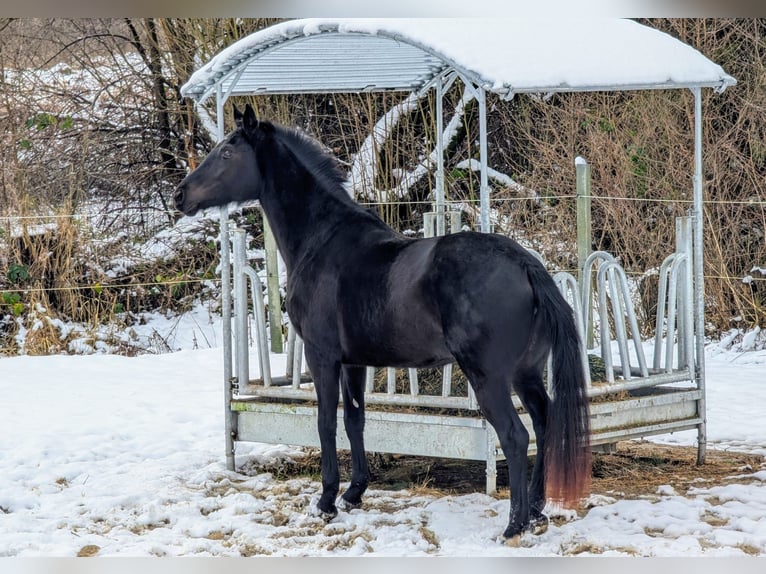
(539, 525)
(512, 542)
(347, 505)
(326, 515)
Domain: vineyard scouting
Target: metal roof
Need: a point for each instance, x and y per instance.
(500, 55)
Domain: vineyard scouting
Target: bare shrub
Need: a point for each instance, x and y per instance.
(93, 120)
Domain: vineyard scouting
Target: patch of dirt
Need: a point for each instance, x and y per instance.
(633, 469)
(88, 551)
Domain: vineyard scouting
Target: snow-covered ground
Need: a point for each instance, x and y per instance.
(115, 456)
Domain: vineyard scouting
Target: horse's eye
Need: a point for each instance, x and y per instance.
(226, 153)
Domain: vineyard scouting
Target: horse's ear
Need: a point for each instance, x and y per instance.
(249, 122)
(237, 116)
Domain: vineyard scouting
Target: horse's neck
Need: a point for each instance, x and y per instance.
(304, 208)
(302, 217)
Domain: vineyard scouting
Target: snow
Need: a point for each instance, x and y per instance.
(126, 454)
(569, 54)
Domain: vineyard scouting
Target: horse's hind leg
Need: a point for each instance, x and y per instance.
(494, 397)
(531, 391)
(352, 386)
(326, 373)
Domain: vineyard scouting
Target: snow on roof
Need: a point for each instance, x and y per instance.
(505, 56)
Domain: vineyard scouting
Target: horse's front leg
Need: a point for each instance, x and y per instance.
(326, 373)
(352, 386)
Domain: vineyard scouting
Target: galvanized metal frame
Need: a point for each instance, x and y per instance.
(470, 437)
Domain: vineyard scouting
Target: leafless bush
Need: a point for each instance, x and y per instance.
(93, 120)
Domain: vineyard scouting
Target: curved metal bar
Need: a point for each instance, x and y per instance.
(567, 284)
(256, 293)
(662, 289)
(586, 294)
(622, 308)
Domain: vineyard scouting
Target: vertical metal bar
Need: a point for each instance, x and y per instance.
(586, 298)
(687, 229)
(256, 294)
(291, 336)
(369, 382)
(699, 276)
(440, 195)
(672, 308)
(568, 287)
(491, 469)
(484, 187)
(681, 297)
(684, 230)
(586, 286)
(297, 362)
(603, 314)
(414, 389)
(662, 293)
(635, 332)
(473, 404)
(230, 420)
(391, 380)
(447, 380)
(619, 322)
(240, 308)
(272, 287)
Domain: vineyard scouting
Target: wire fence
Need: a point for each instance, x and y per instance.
(120, 236)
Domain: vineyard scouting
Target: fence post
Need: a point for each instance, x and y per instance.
(272, 288)
(584, 239)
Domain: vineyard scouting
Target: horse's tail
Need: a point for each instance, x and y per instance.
(567, 438)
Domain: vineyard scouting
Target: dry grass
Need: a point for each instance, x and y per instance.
(634, 469)
(88, 551)
(639, 468)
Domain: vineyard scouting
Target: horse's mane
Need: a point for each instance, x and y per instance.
(319, 162)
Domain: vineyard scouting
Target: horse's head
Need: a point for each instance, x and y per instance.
(228, 174)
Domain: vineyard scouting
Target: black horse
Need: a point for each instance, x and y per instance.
(361, 294)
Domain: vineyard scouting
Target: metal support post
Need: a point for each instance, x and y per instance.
(484, 188)
(440, 193)
(230, 420)
(699, 277)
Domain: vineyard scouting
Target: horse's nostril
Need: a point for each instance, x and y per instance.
(178, 196)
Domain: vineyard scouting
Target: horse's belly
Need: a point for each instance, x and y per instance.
(409, 347)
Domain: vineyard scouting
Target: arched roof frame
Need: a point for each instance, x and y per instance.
(500, 55)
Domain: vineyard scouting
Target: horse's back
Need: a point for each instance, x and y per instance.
(481, 267)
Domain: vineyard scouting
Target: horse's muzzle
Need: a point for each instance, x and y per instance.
(179, 198)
